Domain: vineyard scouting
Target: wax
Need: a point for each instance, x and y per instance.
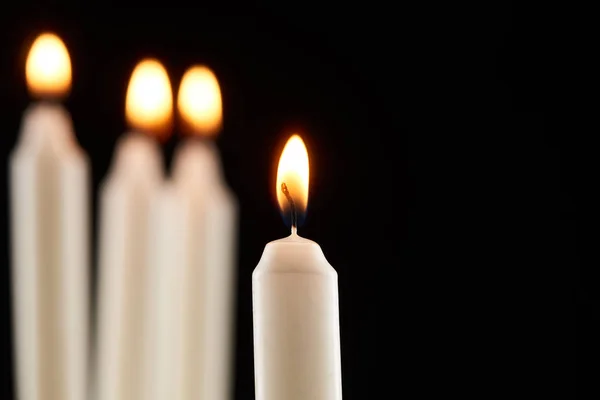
(193, 279)
(296, 323)
(163, 350)
(49, 199)
(134, 177)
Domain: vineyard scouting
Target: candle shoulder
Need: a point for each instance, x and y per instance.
(137, 157)
(294, 254)
(198, 174)
(198, 163)
(47, 126)
(46, 142)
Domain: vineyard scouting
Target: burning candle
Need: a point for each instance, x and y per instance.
(134, 177)
(194, 254)
(295, 302)
(49, 201)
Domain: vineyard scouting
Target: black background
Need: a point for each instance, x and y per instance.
(451, 208)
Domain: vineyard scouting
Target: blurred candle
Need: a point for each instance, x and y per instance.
(195, 253)
(135, 175)
(49, 200)
(295, 302)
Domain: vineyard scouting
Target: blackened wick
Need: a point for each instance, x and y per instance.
(294, 214)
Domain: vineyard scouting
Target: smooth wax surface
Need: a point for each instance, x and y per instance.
(296, 323)
(49, 178)
(134, 177)
(194, 272)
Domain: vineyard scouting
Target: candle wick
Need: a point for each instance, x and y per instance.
(294, 214)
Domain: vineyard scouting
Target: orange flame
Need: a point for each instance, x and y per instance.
(199, 102)
(48, 67)
(149, 101)
(293, 170)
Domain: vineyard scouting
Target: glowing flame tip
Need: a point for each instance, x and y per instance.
(149, 101)
(199, 101)
(48, 67)
(292, 180)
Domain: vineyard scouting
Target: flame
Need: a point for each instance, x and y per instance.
(48, 67)
(149, 101)
(199, 101)
(293, 171)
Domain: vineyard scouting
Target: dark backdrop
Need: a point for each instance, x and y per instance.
(449, 206)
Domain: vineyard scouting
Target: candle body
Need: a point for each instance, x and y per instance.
(164, 326)
(134, 177)
(296, 323)
(49, 177)
(196, 219)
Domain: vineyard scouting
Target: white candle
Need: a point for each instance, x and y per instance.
(295, 302)
(135, 176)
(195, 255)
(49, 176)
(209, 239)
(164, 326)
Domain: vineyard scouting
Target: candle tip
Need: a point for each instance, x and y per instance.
(293, 171)
(199, 102)
(48, 67)
(148, 102)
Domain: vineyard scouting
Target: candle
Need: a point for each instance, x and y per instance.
(194, 271)
(135, 175)
(49, 200)
(295, 302)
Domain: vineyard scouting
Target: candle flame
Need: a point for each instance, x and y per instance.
(292, 178)
(48, 67)
(149, 101)
(199, 101)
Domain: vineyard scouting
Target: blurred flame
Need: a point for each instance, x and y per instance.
(293, 171)
(48, 67)
(199, 101)
(149, 101)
